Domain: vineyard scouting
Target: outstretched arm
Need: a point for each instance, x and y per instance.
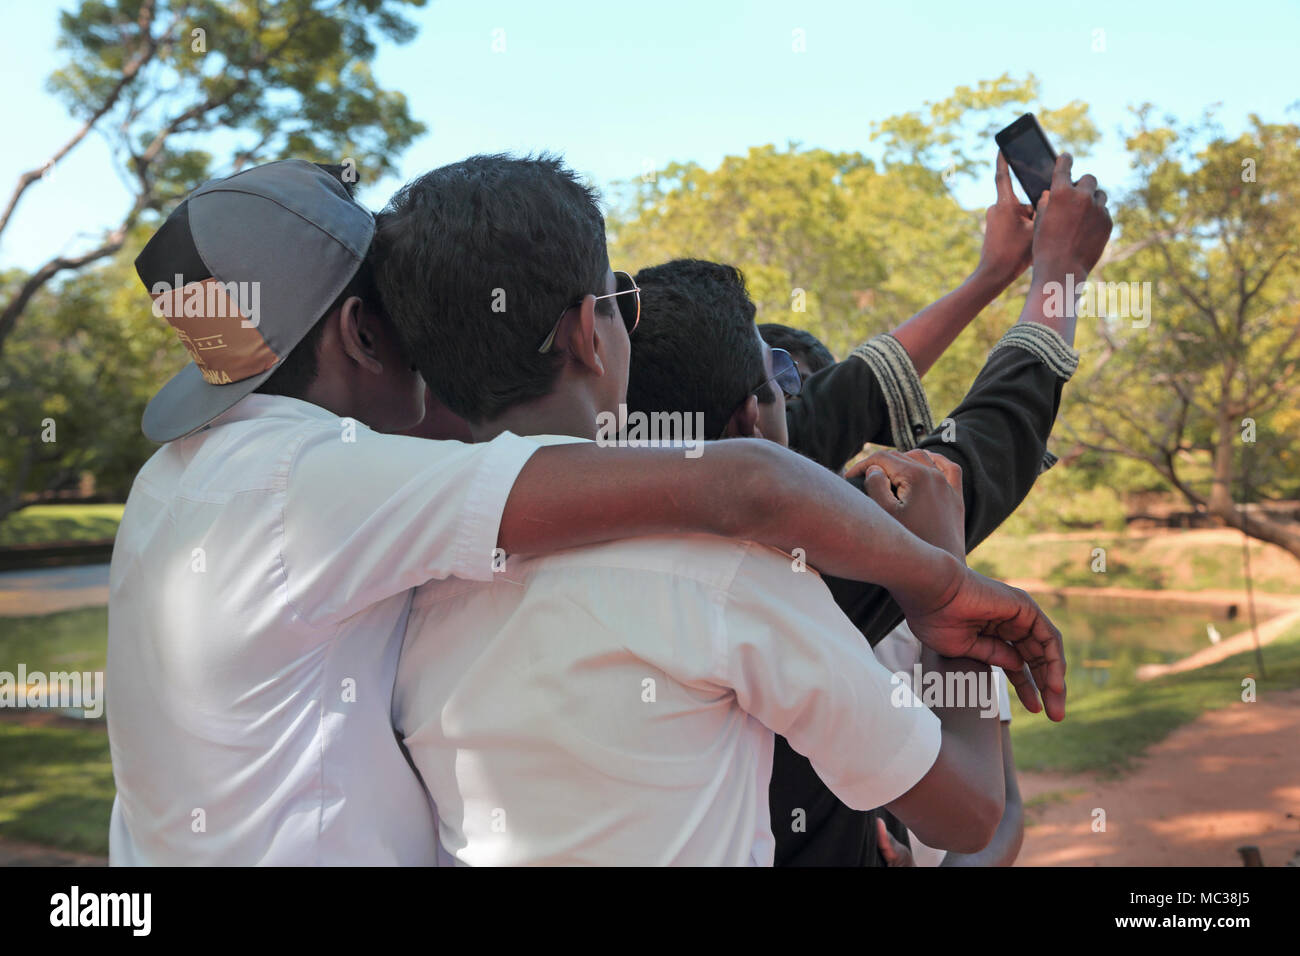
(875, 395)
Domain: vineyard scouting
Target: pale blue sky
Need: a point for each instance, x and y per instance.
(614, 85)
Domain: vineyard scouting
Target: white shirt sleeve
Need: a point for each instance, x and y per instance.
(1004, 693)
(798, 665)
(367, 519)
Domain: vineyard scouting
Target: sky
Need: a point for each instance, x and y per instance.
(621, 87)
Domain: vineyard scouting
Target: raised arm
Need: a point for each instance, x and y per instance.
(875, 395)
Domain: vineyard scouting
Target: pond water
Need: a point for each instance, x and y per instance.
(1105, 648)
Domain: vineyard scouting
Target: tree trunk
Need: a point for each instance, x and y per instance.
(1282, 534)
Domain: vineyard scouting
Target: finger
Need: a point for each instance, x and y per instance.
(902, 471)
(993, 650)
(1026, 690)
(1099, 197)
(1042, 649)
(1049, 673)
(1061, 171)
(1003, 180)
(875, 458)
(879, 489)
(1042, 204)
(1087, 183)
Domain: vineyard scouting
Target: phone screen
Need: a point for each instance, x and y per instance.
(1029, 155)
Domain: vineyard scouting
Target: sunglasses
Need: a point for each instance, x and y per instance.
(785, 373)
(627, 298)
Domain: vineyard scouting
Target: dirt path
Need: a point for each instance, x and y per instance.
(14, 853)
(46, 590)
(1229, 778)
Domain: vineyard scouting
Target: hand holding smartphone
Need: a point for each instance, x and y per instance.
(1029, 155)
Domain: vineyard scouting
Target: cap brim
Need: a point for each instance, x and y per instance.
(187, 403)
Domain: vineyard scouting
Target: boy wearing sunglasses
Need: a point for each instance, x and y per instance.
(615, 704)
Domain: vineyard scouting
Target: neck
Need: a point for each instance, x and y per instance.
(553, 414)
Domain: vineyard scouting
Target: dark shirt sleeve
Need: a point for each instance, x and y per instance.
(874, 396)
(998, 434)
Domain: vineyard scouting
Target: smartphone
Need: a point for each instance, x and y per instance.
(1029, 155)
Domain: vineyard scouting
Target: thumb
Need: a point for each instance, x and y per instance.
(879, 489)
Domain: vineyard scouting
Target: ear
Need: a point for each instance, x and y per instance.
(744, 420)
(359, 335)
(582, 340)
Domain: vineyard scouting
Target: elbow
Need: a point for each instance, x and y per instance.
(986, 815)
(972, 830)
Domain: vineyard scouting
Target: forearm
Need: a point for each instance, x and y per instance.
(1005, 845)
(576, 495)
(927, 335)
(967, 774)
(1052, 301)
(998, 433)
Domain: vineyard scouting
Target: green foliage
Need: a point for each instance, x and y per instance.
(862, 244)
(1070, 497)
(276, 79)
(826, 241)
(182, 91)
(939, 136)
(1212, 227)
(84, 363)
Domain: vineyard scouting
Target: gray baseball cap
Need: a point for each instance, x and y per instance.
(242, 269)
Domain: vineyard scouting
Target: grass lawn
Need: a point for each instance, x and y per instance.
(46, 524)
(56, 787)
(1104, 731)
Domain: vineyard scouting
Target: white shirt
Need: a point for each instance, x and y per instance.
(900, 652)
(258, 597)
(616, 704)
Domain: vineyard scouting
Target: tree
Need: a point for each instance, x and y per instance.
(1210, 387)
(158, 77)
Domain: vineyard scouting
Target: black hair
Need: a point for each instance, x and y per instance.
(695, 349)
(476, 262)
(300, 367)
(800, 344)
